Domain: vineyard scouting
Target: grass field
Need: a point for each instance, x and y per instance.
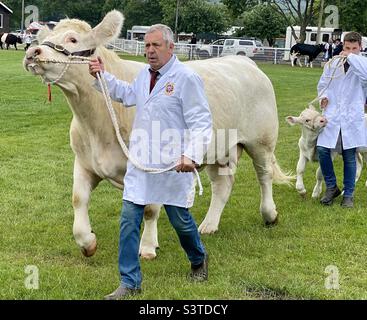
(247, 260)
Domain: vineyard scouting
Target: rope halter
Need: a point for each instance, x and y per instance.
(79, 55)
(61, 49)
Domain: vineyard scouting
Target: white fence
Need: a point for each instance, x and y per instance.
(198, 52)
(137, 48)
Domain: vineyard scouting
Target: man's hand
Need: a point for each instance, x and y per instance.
(324, 102)
(96, 66)
(186, 165)
(344, 53)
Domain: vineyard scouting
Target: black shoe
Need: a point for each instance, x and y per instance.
(200, 273)
(122, 293)
(347, 202)
(330, 195)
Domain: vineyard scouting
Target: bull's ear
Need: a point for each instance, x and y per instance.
(291, 120)
(42, 34)
(109, 29)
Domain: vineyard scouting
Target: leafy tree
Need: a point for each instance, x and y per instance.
(263, 22)
(237, 7)
(140, 12)
(16, 17)
(294, 12)
(298, 12)
(197, 16)
(88, 10)
(114, 4)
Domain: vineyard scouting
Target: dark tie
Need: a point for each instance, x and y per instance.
(346, 66)
(153, 79)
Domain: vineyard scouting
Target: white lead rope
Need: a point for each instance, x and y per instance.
(111, 110)
(340, 64)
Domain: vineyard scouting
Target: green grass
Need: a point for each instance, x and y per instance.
(247, 260)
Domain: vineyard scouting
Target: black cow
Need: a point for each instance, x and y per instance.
(10, 40)
(301, 49)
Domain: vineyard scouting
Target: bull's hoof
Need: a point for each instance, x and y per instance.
(208, 227)
(148, 256)
(208, 231)
(91, 250)
(148, 252)
(272, 224)
(303, 195)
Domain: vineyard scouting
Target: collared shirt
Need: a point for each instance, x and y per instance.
(162, 71)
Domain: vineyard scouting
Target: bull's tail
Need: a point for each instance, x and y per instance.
(279, 177)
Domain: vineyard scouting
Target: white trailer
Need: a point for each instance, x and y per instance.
(137, 33)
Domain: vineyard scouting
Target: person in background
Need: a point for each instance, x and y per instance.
(27, 40)
(343, 101)
(328, 50)
(193, 42)
(338, 47)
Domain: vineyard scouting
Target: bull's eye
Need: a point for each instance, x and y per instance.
(307, 121)
(73, 40)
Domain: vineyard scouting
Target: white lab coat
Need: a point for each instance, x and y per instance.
(345, 111)
(177, 103)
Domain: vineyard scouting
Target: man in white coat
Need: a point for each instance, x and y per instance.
(173, 125)
(343, 99)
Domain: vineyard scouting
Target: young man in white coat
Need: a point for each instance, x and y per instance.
(169, 98)
(343, 101)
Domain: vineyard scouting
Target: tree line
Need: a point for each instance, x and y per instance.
(264, 19)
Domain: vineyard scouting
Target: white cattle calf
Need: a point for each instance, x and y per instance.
(312, 123)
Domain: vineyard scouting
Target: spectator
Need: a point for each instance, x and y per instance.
(192, 46)
(328, 50)
(338, 47)
(193, 39)
(27, 40)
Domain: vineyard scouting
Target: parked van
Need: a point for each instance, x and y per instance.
(242, 47)
(213, 49)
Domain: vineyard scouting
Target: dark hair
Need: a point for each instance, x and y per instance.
(353, 37)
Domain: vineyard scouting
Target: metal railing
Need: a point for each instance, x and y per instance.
(201, 52)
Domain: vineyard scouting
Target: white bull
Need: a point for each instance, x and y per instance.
(241, 97)
(312, 122)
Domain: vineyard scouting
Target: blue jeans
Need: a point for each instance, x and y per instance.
(131, 219)
(350, 169)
